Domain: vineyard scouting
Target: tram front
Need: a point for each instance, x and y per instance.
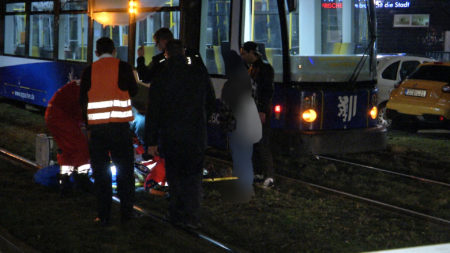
(326, 102)
(324, 59)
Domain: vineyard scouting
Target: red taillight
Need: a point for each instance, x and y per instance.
(441, 118)
(277, 109)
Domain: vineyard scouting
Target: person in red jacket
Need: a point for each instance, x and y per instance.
(65, 122)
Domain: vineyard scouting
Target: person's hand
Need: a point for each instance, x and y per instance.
(262, 116)
(153, 151)
(140, 51)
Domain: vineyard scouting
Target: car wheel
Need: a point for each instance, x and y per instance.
(382, 118)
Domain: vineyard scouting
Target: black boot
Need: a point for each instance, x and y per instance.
(65, 186)
(83, 183)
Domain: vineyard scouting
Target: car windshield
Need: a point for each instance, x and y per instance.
(432, 73)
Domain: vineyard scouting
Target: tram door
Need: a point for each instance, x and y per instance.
(227, 24)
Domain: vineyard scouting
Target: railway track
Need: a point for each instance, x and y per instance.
(398, 209)
(361, 198)
(422, 179)
(371, 201)
(137, 208)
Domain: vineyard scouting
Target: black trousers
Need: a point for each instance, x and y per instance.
(108, 142)
(262, 154)
(184, 167)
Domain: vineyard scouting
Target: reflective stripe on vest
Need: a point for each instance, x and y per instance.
(111, 103)
(109, 115)
(106, 102)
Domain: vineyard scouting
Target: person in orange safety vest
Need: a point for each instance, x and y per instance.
(105, 91)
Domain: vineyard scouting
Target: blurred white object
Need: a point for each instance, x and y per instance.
(44, 147)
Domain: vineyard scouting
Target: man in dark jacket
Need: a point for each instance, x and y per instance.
(262, 76)
(105, 91)
(180, 102)
(146, 74)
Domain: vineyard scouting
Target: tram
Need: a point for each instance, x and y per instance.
(323, 53)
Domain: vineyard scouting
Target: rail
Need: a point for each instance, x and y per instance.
(376, 202)
(138, 209)
(360, 198)
(426, 180)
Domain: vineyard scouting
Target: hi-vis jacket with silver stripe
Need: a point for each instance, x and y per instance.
(106, 101)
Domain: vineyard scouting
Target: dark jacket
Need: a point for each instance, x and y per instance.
(238, 84)
(262, 74)
(146, 74)
(126, 82)
(181, 99)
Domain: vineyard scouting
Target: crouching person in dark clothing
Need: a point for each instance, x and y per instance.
(106, 87)
(180, 100)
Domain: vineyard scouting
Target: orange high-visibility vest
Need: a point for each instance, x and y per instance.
(106, 101)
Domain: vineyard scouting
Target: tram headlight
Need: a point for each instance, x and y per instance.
(309, 115)
(373, 112)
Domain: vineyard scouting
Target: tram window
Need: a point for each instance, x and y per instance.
(73, 37)
(15, 34)
(41, 36)
(118, 33)
(391, 71)
(149, 24)
(74, 5)
(42, 6)
(158, 3)
(214, 34)
(262, 25)
(15, 7)
(326, 40)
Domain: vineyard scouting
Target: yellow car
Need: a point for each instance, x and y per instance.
(423, 99)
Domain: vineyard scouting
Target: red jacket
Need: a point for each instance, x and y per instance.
(65, 103)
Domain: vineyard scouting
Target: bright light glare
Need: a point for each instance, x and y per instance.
(374, 112)
(277, 108)
(102, 17)
(113, 170)
(309, 115)
(132, 7)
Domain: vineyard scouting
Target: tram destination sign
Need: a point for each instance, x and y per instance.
(393, 4)
(338, 4)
